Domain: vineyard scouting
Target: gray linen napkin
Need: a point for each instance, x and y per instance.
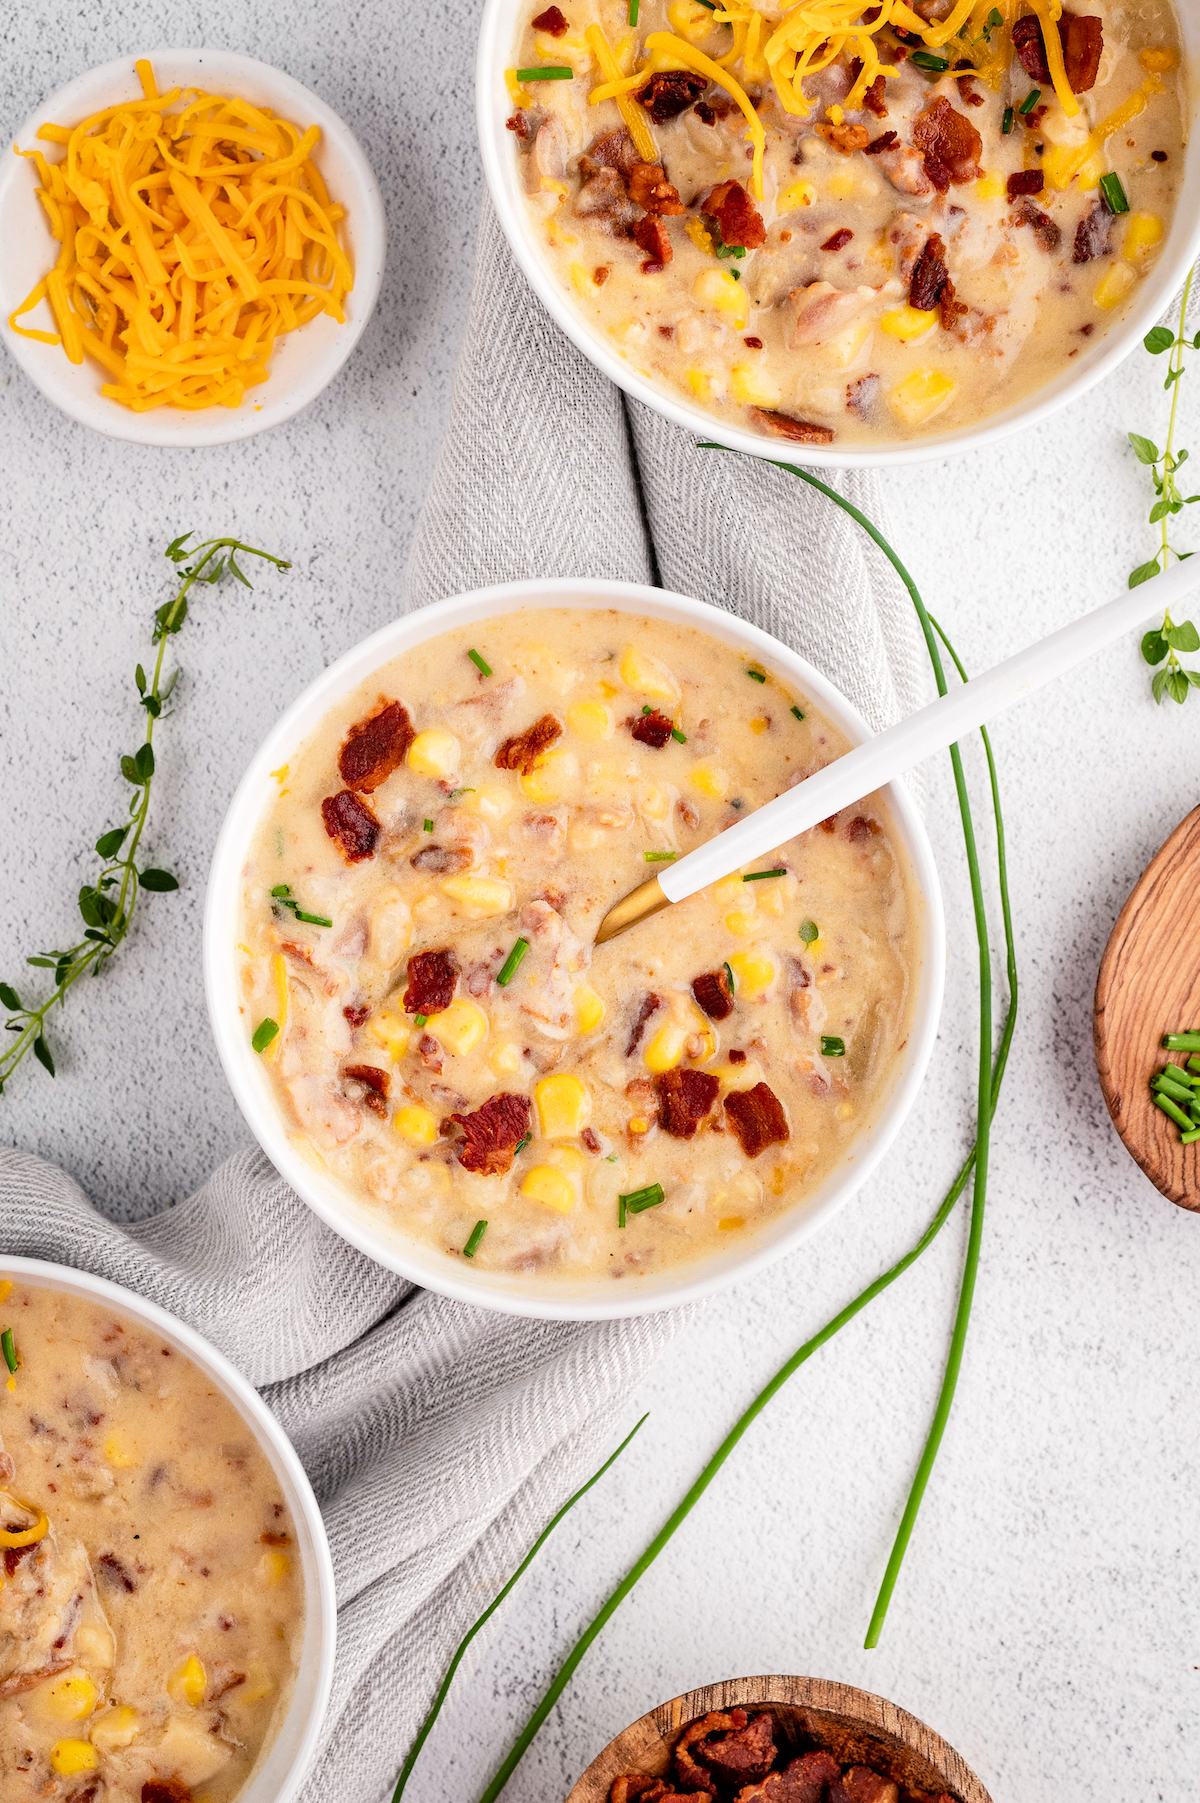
(439, 1438)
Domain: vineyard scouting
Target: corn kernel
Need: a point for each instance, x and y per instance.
(259, 1684)
(729, 1223)
(563, 1104)
(990, 187)
(845, 1111)
(666, 1048)
(759, 726)
(908, 323)
(581, 278)
(836, 115)
(517, 94)
(655, 801)
(94, 1644)
(777, 1180)
(67, 1757)
(589, 1008)
(797, 194)
(1114, 285)
(739, 924)
(490, 804)
(567, 1159)
(700, 383)
(716, 289)
(699, 236)
(1157, 61)
(551, 777)
(69, 1699)
(115, 1729)
(737, 1076)
(460, 1027)
(391, 1032)
(273, 1567)
(843, 184)
(590, 720)
(775, 896)
(920, 396)
(434, 754)
(750, 385)
(637, 1123)
(646, 675)
(120, 1451)
(731, 892)
(415, 1124)
(505, 1060)
(1143, 234)
(753, 973)
(542, 1184)
(188, 1682)
(689, 20)
(709, 779)
(479, 896)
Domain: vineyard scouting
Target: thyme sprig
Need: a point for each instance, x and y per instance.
(108, 902)
(1161, 646)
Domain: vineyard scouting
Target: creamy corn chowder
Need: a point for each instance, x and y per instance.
(152, 1602)
(419, 970)
(847, 222)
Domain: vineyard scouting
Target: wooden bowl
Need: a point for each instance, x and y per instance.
(853, 1726)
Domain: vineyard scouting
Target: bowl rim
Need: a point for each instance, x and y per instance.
(310, 1698)
(1157, 291)
(366, 225)
(250, 1083)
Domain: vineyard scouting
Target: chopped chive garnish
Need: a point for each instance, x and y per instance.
(480, 1227)
(760, 876)
(611, 1159)
(521, 1144)
(633, 11)
(1181, 1042)
(1174, 1110)
(429, 826)
(832, 1047)
(1190, 1137)
(1030, 101)
(455, 793)
(1194, 1065)
(422, 1020)
(647, 709)
(680, 738)
(508, 969)
(264, 1033)
(551, 72)
(486, 670)
(1008, 121)
(620, 1211)
(659, 857)
(314, 920)
(925, 59)
(809, 932)
(756, 675)
(729, 974)
(9, 1350)
(639, 1200)
(737, 276)
(281, 890)
(282, 893)
(1114, 194)
(797, 713)
(1178, 1092)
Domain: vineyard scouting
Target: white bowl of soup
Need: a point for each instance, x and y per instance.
(924, 260)
(167, 1620)
(405, 991)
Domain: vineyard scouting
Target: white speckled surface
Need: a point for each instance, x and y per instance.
(1046, 1619)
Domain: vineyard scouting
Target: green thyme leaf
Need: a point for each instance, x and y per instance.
(1145, 450)
(9, 997)
(1154, 647)
(1143, 573)
(1183, 638)
(41, 1052)
(108, 844)
(159, 882)
(1160, 339)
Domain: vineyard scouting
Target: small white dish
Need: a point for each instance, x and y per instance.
(283, 1764)
(303, 362)
(601, 1299)
(498, 37)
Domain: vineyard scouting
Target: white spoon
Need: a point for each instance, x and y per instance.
(889, 754)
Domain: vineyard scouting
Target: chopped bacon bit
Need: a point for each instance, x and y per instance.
(809, 1779)
(166, 1790)
(636, 1787)
(670, 93)
(785, 425)
(590, 1139)
(861, 1785)
(966, 88)
(649, 1004)
(951, 310)
(1048, 235)
(846, 138)
(1093, 235)
(1030, 47)
(518, 123)
(949, 144)
(887, 140)
(376, 1080)
(875, 98)
(752, 344)
(1158, 156)
(862, 395)
(223, 1680)
(734, 1748)
(375, 747)
(552, 20)
(351, 824)
(492, 1134)
(432, 978)
(1082, 45)
(441, 859)
(13, 1556)
(1025, 181)
(356, 1016)
(649, 188)
(615, 150)
(601, 274)
(929, 276)
(705, 113)
(650, 235)
(523, 750)
(431, 1053)
(684, 1098)
(1033, 119)
(860, 829)
(756, 1116)
(839, 240)
(111, 1571)
(738, 219)
(650, 729)
(714, 994)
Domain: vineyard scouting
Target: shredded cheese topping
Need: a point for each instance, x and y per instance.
(14, 1537)
(195, 230)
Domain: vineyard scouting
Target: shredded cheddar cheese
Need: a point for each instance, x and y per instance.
(14, 1537)
(636, 122)
(704, 65)
(194, 230)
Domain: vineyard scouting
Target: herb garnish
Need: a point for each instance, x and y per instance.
(1181, 1042)
(1030, 101)
(8, 1348)
(760, 876)
(484, 669)
(264, 1033)
(809, 932)
(480, 1227)
(729, 974)
(1176, 1090)
(429, 826)
(634, 6)
(283, 895)
(1115, 197)
(797, 713)
(638, 1201)
(659, 857)
(756, 675)
(993, 22)
(107, 904)
(832, 1046)
(1168, 639)
(551, 72)
(720, 247)
(508, 969)
(1008, 121)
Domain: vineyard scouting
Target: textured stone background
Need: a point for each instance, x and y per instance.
(1046, 1618)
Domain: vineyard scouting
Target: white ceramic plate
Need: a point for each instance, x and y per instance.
(601, 1299)
(280, 1770)
(303, 362)
(493, 104)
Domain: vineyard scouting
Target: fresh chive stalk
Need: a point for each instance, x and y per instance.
(729, 973)
(521, 1144)
(421, 1020)
(798, 713)
(1008, 121)
(264, 1033)
(1178, 1092)
(760, 876)
(639, 1200)
(484, 670)
(659, 857)
(9, 1349)
(282, 893)
(1174, 1110)
(755, 675)
(480, 1227)
(508, 969)
(832, 1046)
(633, 11)
(1030, 101)
(1190, 1137)
(1115, 197)
(1182, 1042)
(549, 72)
(680, 738)
(429, 826)
(925, 59)
(809, 932)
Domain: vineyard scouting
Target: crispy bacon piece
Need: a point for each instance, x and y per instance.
(1048, 235)
(166, 1790)
(650, 235)
(684, 1098)
(734, 1748)
(590, 1139)
(1025, 181)
(839, 240)
(1082, 38)
(377, 1084)
(356, 1016)
(523, 750)
(861, 1785)
(615, 150)
(111, 1571)
(351, 824)
(786, 425)
(552, 21)
(375, 747)
(636, 1787)
(1030, 47)
(1093, 235)
(949, 144)
(874, 99)
(863, 396)
(929, 276)
(649, 1004)
(651, 729)
(432, 979)
(492, 1134)
(809, 1779)
(670, 93)
(860, 829)
(846, 138)
(887, 140)
(13, 1556)
(756, 1116)
(738, 219)
(518, 123)
(441, 859)
(714, 994)
(649, 187)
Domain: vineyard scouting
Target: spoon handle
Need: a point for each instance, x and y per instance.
(889, 754)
